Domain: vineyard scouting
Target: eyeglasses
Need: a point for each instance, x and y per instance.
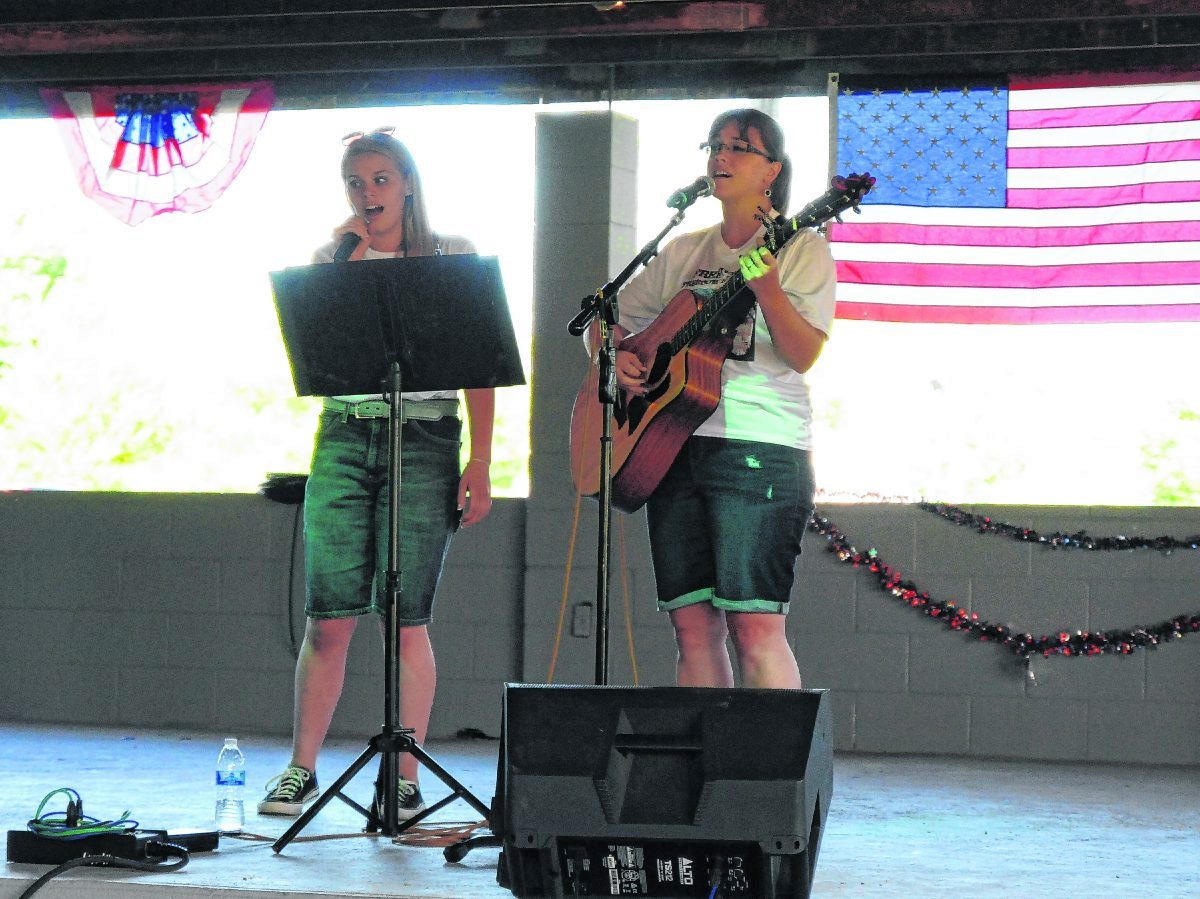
(350, 138)
(714, 147)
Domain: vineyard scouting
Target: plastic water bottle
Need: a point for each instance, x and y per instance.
(231, 787)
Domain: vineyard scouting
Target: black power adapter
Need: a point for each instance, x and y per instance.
(27, 847)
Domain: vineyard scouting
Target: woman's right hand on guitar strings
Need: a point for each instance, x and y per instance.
(631, 373)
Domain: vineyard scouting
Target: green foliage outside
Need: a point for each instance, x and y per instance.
(76, 414)
(53, 433)
(1175, 462)
(150, 359)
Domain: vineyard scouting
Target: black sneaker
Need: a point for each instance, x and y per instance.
(411, 803)
(289, 792)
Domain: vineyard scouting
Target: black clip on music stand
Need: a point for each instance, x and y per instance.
(427, 323)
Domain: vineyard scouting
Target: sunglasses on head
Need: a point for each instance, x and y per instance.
(350, 138)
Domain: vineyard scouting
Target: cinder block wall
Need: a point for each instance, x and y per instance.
(173, 610)
(904, 683)
(584, 235)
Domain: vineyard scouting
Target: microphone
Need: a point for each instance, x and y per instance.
(346, 247)
(686, 196)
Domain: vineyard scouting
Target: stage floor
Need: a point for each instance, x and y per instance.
(898, 827)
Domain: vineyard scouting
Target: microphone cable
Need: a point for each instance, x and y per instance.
(72, 825)
(154, 847)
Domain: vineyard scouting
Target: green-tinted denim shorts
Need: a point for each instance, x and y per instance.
(346, 515)
(726, 524)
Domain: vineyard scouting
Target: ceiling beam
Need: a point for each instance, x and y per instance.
(357, 51)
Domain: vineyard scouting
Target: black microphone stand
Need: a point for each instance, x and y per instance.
(602, 305)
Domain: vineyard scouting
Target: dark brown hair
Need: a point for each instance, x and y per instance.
(772, 138)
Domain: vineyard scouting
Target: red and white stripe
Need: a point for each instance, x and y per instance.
(1102, 221)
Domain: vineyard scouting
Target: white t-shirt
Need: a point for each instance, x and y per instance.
(762, 397)
(448, 245)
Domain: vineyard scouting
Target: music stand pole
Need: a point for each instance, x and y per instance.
(467, 344)
(388, 772)
(393, 739)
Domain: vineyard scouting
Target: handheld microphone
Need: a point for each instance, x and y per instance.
(346, 247)
(686, 196)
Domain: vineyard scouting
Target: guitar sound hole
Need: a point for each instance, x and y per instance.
(638, 406)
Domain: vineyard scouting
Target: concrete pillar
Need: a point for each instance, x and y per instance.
(585, 215)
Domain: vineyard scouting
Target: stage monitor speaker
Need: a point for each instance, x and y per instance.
(662, 791)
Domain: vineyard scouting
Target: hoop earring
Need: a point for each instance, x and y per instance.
(767, 192)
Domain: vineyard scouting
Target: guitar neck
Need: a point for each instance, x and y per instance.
(845, 194)
(724, 297)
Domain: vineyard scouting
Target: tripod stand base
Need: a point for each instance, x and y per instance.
(458, 851)
(382, 815)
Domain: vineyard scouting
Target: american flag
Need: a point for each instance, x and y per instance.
(1032, 202)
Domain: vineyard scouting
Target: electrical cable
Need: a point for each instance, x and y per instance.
(73, 824)
(566, 591)
(289, 490)
(166, 849)
(716, 874)
(625, 594)
(291, 590)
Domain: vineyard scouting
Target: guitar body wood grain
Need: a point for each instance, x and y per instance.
(649, 431)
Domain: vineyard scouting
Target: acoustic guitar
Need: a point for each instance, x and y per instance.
(683, 349)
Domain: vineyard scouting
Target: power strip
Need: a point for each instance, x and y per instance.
(25, 846)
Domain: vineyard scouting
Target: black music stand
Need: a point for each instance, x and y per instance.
(427, 323)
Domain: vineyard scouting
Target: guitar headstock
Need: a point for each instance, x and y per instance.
(845, 192)
(853, 188)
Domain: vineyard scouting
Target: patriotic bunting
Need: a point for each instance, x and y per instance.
(145, 151)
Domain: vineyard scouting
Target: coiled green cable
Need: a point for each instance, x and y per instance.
(73, 824)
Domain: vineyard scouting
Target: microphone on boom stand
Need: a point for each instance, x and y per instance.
(686, 196)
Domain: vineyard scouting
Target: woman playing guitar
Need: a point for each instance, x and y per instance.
(727, 519)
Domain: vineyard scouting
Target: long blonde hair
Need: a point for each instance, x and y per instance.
(419, 238)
